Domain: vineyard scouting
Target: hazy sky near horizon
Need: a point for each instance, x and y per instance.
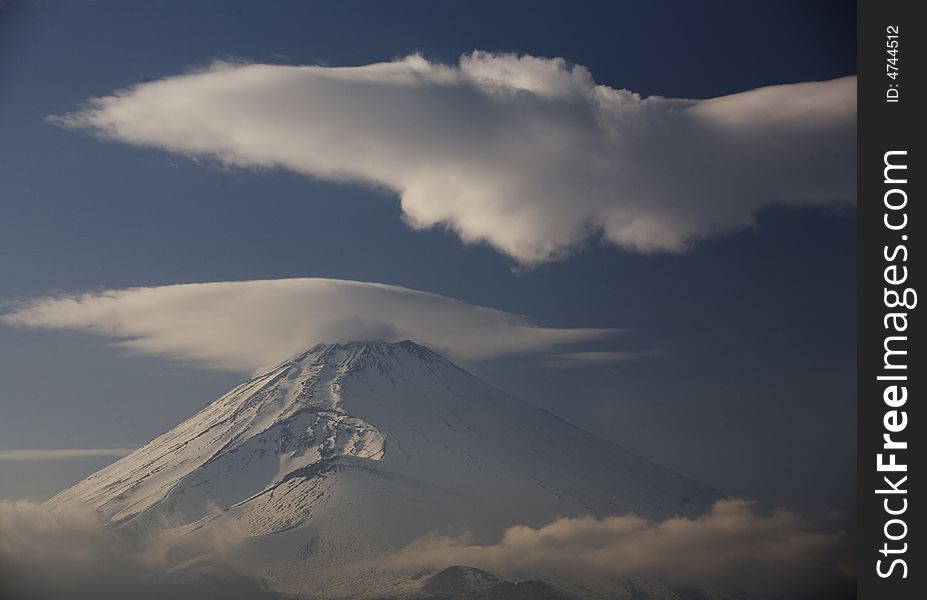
(736, 365)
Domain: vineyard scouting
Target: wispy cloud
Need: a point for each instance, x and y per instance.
(526, 154)
(590, 359)
(60, 454)
(249, 325)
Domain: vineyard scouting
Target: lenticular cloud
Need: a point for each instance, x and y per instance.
(526, 154)
(252, 325)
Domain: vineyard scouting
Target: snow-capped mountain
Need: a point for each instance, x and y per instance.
(349, 452)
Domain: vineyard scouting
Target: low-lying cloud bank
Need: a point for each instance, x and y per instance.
(526, 154)
(733, 549)
(68, 555)
(250, 325)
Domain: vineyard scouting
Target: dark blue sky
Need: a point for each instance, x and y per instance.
(752, 384)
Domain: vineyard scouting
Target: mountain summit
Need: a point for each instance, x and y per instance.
(349, 452)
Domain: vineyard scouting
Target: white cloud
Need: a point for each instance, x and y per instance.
(70, 555)
(59, 454)
(249, 325)
(526, 154)
(732, 548)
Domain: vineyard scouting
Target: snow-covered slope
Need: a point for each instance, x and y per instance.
(351, 451)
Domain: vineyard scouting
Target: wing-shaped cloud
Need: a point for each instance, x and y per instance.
(527, 154)
(249, 325)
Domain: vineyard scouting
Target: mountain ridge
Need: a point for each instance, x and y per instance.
(347, 453)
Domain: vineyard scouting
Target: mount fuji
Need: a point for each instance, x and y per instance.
(350, 452)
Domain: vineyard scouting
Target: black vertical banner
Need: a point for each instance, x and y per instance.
(892, 374)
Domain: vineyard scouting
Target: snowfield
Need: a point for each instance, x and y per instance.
(349, 452)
